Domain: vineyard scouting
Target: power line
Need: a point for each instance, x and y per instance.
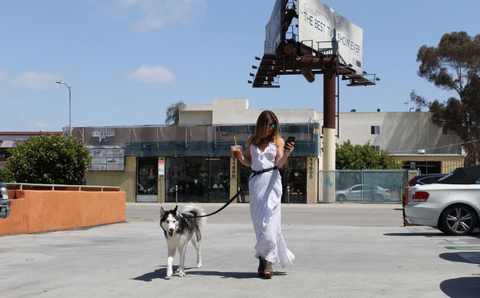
(445, 146)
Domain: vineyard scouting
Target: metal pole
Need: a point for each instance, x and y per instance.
(329, 134)
(70, 109)
(288, 194)
(176, 194)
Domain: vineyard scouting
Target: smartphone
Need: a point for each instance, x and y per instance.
(290, 139)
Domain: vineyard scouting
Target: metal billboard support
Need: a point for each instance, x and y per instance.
(308, 57)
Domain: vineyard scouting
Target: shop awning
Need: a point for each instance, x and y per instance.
(6, 144)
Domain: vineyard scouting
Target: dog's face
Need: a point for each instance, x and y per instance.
(169, 221)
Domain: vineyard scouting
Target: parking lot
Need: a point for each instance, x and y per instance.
(340, 252)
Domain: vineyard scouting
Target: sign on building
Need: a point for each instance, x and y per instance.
(107, 159)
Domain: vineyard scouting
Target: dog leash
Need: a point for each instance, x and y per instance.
(255, 173)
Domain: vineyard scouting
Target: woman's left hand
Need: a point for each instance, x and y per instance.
(289, 146)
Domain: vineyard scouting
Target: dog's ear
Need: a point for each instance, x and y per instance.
(175, 210)
(162, 212)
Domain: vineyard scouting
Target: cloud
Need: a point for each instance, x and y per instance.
(155, 14)
(31, 79)
(40, 126)
(152, 75)
(3, 76)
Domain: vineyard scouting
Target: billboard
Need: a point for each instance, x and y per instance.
(319, 25)
(273, 30)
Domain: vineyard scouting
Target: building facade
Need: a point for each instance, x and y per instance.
(192, 160)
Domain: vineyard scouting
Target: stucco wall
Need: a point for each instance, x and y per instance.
(34, 211)
(195, 118)
(125, 179)
(236, 111)
(400, 132)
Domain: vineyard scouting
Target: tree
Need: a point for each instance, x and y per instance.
(454, 66)
(6, 176)
(173, 113)
(50, 159)
(357, 157)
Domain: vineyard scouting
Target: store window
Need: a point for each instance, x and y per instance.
(197, 179)
(425, 167)
(147, 179)
(4, 154)
(219, 179)
(243, 178)
(295, 181)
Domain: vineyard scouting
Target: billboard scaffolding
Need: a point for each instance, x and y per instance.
(307, 37)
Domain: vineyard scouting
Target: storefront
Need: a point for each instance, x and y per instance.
(294, 182)
(197, 179)
(191, 163)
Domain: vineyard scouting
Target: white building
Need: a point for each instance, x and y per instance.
(409, 136)
(192, 160)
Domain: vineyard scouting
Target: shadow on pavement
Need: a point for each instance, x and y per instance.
(162, 272)
(159, 273)
(413, 234)
(462, 287)
(463, 257)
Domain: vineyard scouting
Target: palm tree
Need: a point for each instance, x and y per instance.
(173, 113)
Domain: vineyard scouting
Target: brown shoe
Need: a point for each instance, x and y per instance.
(268, 269)
(261, 267)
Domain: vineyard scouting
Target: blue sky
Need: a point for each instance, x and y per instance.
(127, 60)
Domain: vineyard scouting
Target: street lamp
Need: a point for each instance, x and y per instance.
(69, 106)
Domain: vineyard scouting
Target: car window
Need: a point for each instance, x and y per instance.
(357, 188)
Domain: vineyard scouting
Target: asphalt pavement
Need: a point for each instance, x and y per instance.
(341, 250)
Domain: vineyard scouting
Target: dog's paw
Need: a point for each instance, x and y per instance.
(199, 265)
(181, 274)
(178, 270)
(168, 277)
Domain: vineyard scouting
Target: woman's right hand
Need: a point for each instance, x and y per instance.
(236, 153)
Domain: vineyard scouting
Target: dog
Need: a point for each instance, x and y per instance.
(179, 229)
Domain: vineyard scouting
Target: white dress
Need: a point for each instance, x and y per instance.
(265, 203)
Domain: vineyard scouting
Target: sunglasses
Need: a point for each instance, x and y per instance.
(271, 125)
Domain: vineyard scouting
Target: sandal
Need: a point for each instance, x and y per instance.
(261, 267)
(268, 269)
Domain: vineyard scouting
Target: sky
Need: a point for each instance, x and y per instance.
(126, 61)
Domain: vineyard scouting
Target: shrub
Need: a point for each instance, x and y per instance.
(50, 159)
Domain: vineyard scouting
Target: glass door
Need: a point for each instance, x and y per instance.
(147, 179)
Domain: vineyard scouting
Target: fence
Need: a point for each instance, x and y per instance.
(191, 140)
(364, 186)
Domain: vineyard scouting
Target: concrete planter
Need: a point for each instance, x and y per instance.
(43, 208)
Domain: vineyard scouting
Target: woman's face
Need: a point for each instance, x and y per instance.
(271, 126)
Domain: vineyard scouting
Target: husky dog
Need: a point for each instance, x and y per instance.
(179, 228)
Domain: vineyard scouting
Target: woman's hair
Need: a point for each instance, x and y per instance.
(261, 128)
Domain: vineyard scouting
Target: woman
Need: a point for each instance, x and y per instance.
(265, 153)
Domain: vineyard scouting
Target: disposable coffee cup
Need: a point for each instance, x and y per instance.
(237, 151)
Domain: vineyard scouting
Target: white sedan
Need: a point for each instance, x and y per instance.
(452, 204)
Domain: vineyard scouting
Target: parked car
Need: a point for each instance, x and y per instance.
(368, 193)
(425, 179)
(452, 204)
(4, 201)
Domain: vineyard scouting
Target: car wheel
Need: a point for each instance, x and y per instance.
(341, 198)
(458, 220)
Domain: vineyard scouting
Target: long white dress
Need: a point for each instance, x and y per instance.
(265, 203)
